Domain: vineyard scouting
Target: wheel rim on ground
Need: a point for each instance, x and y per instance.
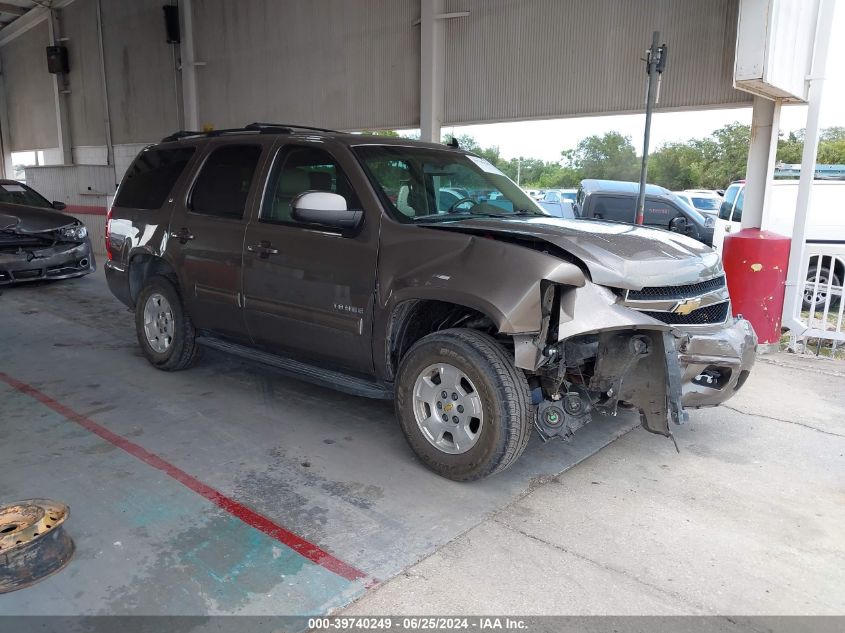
(448, 408)
(158, 322)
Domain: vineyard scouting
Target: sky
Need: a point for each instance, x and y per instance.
(546, 139)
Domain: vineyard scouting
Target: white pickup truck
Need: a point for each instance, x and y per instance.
(825, 222)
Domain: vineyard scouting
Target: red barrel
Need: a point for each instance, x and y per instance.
(755, 264)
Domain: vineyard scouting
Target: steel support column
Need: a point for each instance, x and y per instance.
(765, 119)
(432, 63)
(188, 67)
(61, 90)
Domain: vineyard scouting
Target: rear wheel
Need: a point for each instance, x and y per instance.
(817, 295)
(164, 329)
(464, 407)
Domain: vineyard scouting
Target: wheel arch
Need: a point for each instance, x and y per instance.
(412, 319)
(838, 265)
(142, 266)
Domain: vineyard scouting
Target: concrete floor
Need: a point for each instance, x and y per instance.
(196, 492)
(162, 470)
(748, 519)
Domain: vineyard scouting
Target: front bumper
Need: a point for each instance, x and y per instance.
(716, 362)
(60, 261)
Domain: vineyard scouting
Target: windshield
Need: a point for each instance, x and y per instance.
(419, 184)
(693, 213)
(569, 196)
(706, 204)
(17, 193)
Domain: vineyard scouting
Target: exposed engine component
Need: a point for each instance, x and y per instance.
(562, 417)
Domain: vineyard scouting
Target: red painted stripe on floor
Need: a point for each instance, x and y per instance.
(307, 549)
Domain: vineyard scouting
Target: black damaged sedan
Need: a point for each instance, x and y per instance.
(36, 240)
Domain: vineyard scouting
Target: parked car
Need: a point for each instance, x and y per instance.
(482, 319)
(704, 200)
(559, 202)
(616, 201)
(36, 240)
(825, 225)
(560, 195)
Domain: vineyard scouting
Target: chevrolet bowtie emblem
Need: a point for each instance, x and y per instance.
(686, 306)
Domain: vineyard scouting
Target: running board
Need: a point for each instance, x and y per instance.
(295, 369)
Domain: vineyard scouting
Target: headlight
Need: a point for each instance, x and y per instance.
(74, 233)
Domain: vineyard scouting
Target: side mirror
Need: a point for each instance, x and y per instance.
(58, 206)
(321, 208)
(679, 224)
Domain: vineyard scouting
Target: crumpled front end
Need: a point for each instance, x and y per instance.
(656, 350)
(44, 255)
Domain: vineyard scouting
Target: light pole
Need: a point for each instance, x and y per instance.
(655, 63)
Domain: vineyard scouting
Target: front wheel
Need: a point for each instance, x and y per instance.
(164, 329)
(817, 295)
(464, 407)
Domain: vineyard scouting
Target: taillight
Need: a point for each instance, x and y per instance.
(108, 236)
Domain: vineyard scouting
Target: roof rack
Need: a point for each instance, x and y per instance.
(260, 128)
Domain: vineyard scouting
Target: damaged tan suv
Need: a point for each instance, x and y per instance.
(418, 272)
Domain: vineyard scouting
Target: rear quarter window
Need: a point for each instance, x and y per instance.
(152, 175)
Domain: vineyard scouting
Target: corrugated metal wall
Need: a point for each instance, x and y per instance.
(29, 91)
(339, 64)
(85, 102)
(141, 71)
(550, 58)
(353, 64)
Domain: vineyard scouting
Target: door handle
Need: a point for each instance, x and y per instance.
(183, 235)
(264, 249)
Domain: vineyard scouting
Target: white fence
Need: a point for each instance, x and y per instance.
(815, 316)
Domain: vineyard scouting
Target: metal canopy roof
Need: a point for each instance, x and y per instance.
(11, 10)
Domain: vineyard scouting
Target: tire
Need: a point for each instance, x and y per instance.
(821, 295)
(487, 376)
(175, 347)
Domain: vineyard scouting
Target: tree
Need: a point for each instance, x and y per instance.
(675, 166)
(610, 156)
(831, 147)
(790, 149)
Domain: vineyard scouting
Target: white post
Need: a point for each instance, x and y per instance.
(797, 264)
(432, 63)
(6, 168)
(765, 118)
(60, 93)
(188, 67)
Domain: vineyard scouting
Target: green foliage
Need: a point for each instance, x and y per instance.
(610, 157)
(712, 162)
(831, 147)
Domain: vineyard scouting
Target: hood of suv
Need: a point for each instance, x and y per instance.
(23, 219)
(617, 255)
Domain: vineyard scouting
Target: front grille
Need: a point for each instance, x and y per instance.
(677, 292)
(30, 273)
(716, 313)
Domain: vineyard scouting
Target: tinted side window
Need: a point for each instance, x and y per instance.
(740, 200)
(615, 209)
(301, 169)
(223, 185)
(152, 175)
(659, 213)
(727, 203)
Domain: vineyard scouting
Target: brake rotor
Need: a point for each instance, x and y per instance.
(33, 544)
